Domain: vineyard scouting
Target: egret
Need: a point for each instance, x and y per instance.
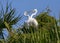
(31, 21)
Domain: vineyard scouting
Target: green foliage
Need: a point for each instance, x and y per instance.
(8, 18)
(47, 31)
(45, 20)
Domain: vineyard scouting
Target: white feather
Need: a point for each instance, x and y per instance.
(31, 20)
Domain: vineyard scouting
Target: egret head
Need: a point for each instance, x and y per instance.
(35, 10)
(25, 13)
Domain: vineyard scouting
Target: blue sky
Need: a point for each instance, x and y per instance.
(40, 5)
(22, 5)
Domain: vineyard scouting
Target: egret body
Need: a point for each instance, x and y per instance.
(31, 21)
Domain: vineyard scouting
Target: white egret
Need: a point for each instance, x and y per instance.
(31, 21)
